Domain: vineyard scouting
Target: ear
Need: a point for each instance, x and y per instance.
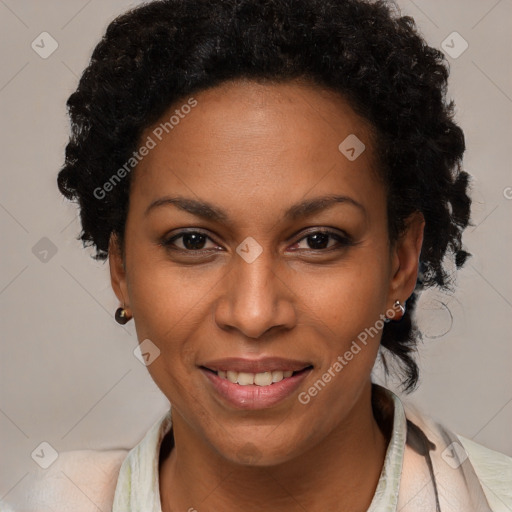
(118, 271)
(405, 257)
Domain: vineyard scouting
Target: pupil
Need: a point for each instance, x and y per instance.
(324, 240)
(192, 240)
(196, 241)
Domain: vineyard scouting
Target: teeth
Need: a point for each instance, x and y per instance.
(244, 379)
(277, 376)
(232, 376)
(260, 379)
(263, 379)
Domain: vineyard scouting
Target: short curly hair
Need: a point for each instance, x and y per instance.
(163, 51)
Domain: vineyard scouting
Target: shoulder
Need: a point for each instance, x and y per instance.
(494, 469)
(82, 480)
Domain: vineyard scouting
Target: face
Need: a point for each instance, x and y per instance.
(236, 261)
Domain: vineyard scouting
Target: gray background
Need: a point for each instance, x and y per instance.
(68, 373)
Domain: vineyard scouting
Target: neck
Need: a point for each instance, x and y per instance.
(340, 473)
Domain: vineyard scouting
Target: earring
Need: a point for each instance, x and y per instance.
(402, 308)
(392, 312)
(121, 316)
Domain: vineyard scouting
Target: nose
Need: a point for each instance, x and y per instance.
(255, 298)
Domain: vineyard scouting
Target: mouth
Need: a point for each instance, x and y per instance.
(254, 384)
(266, 378)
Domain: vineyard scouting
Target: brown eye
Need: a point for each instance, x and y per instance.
(319, 241)
(191, 241)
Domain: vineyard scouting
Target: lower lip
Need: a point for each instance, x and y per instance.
(253, 396)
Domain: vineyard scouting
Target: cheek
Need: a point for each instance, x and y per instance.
(167, 309)
(345, 304)
(348, 298)
(349, 327)
(167, 300)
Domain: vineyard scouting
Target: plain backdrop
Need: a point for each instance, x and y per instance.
(69, 376)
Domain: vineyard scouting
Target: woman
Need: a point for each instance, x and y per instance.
(273, 183)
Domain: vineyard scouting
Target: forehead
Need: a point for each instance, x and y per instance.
(258, 138)
(304, 108)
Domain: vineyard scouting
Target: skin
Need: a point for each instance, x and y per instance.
(254, 150)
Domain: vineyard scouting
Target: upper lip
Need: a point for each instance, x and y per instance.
(266, 364)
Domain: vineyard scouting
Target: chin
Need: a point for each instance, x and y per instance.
(257, 451)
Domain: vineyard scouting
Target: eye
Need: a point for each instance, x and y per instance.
(191, 241)
(319, 241)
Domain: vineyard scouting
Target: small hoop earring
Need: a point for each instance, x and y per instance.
(402, 311)
(121, 316)
(402, 308)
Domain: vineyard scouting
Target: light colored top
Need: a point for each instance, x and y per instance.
(423, 459)
(138, 485)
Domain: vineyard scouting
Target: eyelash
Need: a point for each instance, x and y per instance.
(343, 242)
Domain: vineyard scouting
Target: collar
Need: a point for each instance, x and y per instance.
(137, 486)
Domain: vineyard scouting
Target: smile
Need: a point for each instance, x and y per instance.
(249, 390)
(258, 379)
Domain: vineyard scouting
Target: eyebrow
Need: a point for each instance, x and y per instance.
(208, 211)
